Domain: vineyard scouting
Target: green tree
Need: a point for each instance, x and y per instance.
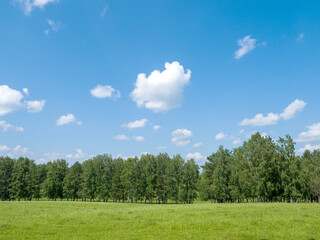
(162, 160)
(19, 185)
(53, 185)
(6, 168)
(117, 190)
(189, 181)
(73, 182)
(88, 180)
(128, 178)
(174, 178)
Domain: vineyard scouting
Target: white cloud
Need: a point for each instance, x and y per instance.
(135, 124)
(104, 11)
(6, 126)
(161, 91)
(121, 137)
(260, 120)
(309, 147)
(196, 156)
(55, 26)
(313, 134)
(156, 127)
(67, 119)
(15, 152)
(4, 148)
(35, 106)
(161, 147)
(138, 138)
(273, 118)
(241, 131)
(221, 136)
(29, 5)
(199, 144)
(104, 92)
(26, 91)
(54, 156)
(11, 100)
(247, 44)
(294, 107)
(79, 154)
(300, 37)
(236, 141)
(181, 137)
(19, 151)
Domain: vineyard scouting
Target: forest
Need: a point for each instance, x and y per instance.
(261, 170)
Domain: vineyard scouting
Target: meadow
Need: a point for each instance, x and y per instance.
(202, 220)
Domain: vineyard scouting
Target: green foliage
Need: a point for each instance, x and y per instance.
(6, 168)
(261, 170)
(53, 185)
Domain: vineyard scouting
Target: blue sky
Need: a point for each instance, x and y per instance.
(78, 76)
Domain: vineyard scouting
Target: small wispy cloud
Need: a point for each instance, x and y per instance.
(138, 138)
(54, 26)
(199, 144)
(67, 119)
(300, 37)
(7, 126)
(156, 127)
(29, 5)
(104, 11)
(247, 44)
(121, 137)
(105, 91)
(135, 124)
(221, 136)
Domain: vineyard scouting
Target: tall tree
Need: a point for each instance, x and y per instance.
(117, 190)
(19, 179)
(129, 177)
(88, 180)
(174, 178)
(56, 172)
(162, 160)
(6, 168)
(73, 182)
(189, 181)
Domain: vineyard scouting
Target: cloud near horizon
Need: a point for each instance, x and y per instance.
(181, 137)
(313, 134)
(273, 118)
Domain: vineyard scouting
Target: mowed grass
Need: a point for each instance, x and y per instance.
(93, 220)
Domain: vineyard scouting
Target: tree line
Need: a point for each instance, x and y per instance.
(261, 170)
(147, 179)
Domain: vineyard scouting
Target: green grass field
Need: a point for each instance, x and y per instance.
(86, 220)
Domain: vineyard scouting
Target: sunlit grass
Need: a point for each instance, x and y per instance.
(93, 220)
